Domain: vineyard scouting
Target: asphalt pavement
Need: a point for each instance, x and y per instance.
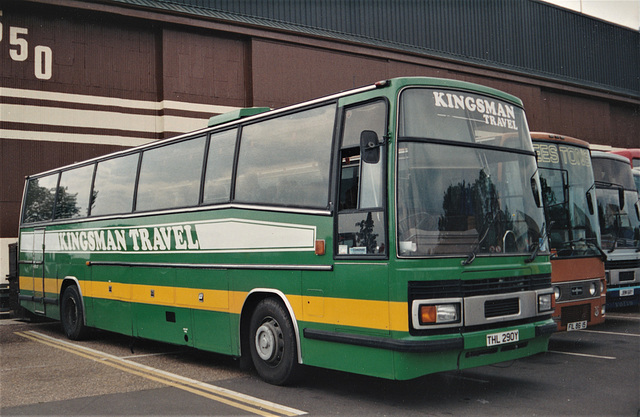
(588, 372)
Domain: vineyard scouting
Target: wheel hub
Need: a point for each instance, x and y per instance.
(268, 341)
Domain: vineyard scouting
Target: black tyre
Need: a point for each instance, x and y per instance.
(272, 343)
(72, 314)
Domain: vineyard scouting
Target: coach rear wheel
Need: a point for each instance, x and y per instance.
(273, 344)
(72, 315)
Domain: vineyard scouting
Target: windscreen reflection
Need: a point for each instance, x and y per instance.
(456, 200)
(620, 227)
(569, 196)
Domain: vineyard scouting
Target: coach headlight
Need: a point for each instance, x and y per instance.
(557, 293)
(439, 314)
(436, 313)
(592, 289)
(544, 303)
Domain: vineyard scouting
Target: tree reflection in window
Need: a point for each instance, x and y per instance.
(73, 198)
(40, 199)
(66, 204)
(365, 237)
(45, 192)
(475, 208)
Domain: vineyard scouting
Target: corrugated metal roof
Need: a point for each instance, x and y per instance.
(526, 36)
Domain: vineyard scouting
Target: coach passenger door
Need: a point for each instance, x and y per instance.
(361, 255)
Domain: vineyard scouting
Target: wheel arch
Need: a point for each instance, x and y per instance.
(251, 301)
(66, 283)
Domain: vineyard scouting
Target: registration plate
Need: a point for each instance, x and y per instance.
(625, 292)
(502, 338)
(578, 325)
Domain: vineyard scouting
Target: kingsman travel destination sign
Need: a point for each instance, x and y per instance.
(492, 112)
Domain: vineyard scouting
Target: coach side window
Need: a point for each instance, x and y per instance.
(217, 182)
(114, 185)
(170, 175)
(73, 199)
(41, 194)
(285, 161)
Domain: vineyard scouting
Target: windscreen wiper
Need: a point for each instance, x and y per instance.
(588, 242)
(615, 242)
(603, 255)
(536, 246)
(534, 253)
(607, 184)
(474, 252)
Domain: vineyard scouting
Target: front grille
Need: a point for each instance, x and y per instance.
(498, 308)
(626, 276)
(575, 313)
(495, 311)
(624, 264)
(573, 291)
(505, 285)
(623, 285)
(470, 288)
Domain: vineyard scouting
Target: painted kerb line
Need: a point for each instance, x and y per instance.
(611, 333)
(222, 395)
(585, 355)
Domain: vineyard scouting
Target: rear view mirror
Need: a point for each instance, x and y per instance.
(536, 191)
(621, 198)
(565, 186)
(369, 147)
(590, 203)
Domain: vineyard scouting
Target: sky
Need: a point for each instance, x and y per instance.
(622, 12)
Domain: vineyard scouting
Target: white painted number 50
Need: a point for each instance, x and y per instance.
(19, 51)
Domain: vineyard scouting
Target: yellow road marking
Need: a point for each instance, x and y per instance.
(222, 395)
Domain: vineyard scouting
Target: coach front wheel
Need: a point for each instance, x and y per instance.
(273, 344)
